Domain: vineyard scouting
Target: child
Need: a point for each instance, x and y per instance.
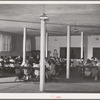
(51, 72)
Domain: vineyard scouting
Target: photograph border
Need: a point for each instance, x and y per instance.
(35, 96)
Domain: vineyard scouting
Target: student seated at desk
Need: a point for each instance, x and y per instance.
(27, 70)
(81, 62)
(94, 61)
(91, 71)
(88, 63)
(98, 64)
(51, 72)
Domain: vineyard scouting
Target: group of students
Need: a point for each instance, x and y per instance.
(90, 62)
(90, 68)
(8, 63)
(51, 68)
(50, 65)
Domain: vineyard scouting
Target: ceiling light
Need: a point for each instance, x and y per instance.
(55, 39)
(97, 38)
(75, 29)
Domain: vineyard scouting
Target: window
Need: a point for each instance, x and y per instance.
(75, 52)
(5, 42)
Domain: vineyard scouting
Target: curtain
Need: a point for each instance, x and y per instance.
(5, 42)
(28, 44)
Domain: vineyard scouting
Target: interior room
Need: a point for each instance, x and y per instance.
(65, 34)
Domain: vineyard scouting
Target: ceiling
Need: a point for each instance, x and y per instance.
(14, 17)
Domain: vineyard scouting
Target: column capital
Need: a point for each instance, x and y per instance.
(44, 17)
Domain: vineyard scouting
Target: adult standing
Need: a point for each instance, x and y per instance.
(55, 54)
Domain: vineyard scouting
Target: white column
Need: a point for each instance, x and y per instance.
(82, 44)
(42, 52)
(46, 44)
(24, 46)
(68, 53)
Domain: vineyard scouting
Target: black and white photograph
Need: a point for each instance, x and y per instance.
(50, 48)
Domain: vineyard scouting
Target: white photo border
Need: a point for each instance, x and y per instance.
(49, 95)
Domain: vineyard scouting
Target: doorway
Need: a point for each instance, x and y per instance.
(75, 52)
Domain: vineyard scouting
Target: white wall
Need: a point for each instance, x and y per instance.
(61, 42)
(92, 42)
(75, 42)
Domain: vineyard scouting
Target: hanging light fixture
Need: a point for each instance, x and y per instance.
(97, 38)
(75, 29)
(55, 39)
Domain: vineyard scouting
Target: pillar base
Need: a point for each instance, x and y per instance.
(23, 64)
